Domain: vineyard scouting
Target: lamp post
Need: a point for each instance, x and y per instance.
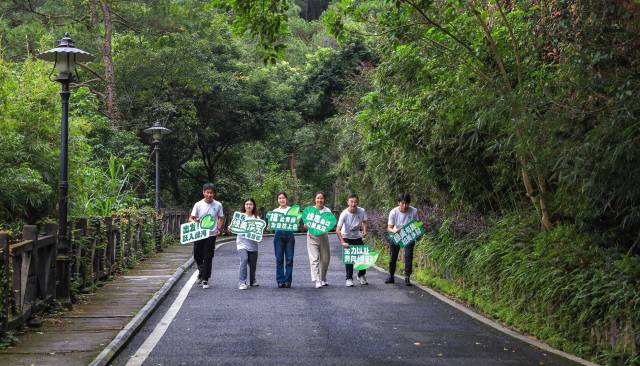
(65, 57)
(157, 131)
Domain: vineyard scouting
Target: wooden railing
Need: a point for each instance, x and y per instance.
(33, 272)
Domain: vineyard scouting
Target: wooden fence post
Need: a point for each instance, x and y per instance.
(4, 245)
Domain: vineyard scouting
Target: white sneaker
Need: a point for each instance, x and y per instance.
(255, 284)
(318, 284)
(205, 284)
(324, 283)
(349, 282)
(242, 286)
(363, 280)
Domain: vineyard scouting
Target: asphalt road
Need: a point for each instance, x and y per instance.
(378, 324)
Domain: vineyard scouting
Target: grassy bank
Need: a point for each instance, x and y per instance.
(557, 285)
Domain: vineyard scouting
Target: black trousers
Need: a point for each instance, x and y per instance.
(203, 251)
(349, 267)
(408, 259)
(253, 263)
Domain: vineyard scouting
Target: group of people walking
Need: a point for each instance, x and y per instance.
(351, 229)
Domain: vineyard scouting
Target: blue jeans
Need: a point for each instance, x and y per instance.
(247, 259)
(283, 244)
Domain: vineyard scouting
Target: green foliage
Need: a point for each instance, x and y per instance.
(556, 285)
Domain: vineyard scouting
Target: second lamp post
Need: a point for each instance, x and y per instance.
(157, 131)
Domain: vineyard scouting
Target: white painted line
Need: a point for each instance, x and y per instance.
(527, 339)
(150, 343)
(152, 340)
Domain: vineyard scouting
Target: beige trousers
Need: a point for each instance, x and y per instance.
(319, 255)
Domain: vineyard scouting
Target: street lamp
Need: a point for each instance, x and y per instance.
(65, 57)
(157, 131)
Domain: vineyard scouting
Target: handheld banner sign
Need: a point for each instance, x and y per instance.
(284, 222)
(408, 234)
(193, 231)
(361, 256)
(251, 229)
(318, 223)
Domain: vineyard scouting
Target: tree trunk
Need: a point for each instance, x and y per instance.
(292, 165)
(109, 74)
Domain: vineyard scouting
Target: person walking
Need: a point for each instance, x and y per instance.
(350, 230)
(203, 250)
(247, 249)
(284, 243)
(318, 248)
(398, 217)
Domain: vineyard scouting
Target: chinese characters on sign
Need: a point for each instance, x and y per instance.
(317, 223)
(192, 231)
(280, 221)
(408, 234)
(285, 222)
(361, 256)
(251, 229)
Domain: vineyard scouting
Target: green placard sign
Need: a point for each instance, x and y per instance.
(285, 222)
(361, 256)
(408, 234)
(193, 231)
(318, 223)
(251, 229)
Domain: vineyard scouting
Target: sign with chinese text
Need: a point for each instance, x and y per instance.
(318, 223)
(408, 234)
(193, 231)
(249, 228)
(361, 256)
(284, 222)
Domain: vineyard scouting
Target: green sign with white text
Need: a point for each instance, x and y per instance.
(361, 256)
(285, 222)
(409, 233)
(318, 223)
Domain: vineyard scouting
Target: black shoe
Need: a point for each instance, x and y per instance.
(407, 281)
(281, 285)
(287, 285)
(390, 279)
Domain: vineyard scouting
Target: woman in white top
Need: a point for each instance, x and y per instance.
(398, 217)
(318, 248)
(247, 249)
(284, 243)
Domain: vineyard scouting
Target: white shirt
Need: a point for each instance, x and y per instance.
(282, 210)
(202, 208)
(349, 223)
(399, 219)
(243, 243)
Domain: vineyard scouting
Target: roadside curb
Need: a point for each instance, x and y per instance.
(121, 339)
(493, 324)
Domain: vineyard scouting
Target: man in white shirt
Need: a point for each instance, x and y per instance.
(351, 228)
(203, 250)
(398, 217)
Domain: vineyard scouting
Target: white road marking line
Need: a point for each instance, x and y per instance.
(152, 340)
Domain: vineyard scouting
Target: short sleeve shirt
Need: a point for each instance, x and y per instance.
(350, 223)
(399, 219)
(202, 208)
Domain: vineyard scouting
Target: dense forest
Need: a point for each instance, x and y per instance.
(514, 125)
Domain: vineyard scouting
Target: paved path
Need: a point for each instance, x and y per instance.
(76, 337)
(364, 325)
